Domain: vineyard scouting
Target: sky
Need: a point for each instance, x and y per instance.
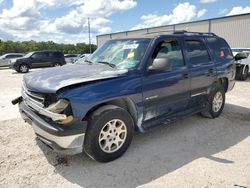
(65, 21)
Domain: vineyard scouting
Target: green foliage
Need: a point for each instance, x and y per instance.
(28, 46)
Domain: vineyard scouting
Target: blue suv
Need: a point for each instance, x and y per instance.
(127, 85)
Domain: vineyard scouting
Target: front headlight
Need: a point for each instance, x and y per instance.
(59, 106)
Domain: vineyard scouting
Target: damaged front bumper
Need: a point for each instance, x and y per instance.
(62, 139)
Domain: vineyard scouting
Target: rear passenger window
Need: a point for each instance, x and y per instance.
(57, 55)
(170, 50)
(40, 55)
(219, 49)
(197, 52)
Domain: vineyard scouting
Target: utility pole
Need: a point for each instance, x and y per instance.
(89, 36)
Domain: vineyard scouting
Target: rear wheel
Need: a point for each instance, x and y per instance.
(23, 68)
(109, 133)
(57, 65)
(242, 73)
(216, 101)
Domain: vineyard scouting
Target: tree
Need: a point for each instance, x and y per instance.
(28, 46)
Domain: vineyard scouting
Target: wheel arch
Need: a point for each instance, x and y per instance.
(224, 82)
(24, 63)
(125, 103)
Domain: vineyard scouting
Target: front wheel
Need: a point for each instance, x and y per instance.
(23, 68)
(216, 102)
(109, 133)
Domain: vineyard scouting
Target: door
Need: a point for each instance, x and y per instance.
(40, 59)
(202, 70)
(166, 87)
(5, 61)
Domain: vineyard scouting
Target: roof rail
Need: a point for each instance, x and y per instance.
(165, 31)
(180, 32)
(193, 32)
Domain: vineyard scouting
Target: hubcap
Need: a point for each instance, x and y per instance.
(112, 136)
(217, 102)
(23, 68)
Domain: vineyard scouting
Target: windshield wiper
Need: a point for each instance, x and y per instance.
(107, 63)
(88, 61)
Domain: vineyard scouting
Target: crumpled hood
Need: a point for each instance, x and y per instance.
(52, 79)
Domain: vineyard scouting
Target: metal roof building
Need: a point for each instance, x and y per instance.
(235, 29)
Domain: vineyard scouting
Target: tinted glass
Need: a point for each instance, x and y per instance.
(219, 49)
(40, 55)
(13, 56)
(197, 52)
(71, 55)
(57, 54)
(171, 51)
(242, 55)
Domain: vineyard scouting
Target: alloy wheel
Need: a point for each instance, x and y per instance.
(112, 136)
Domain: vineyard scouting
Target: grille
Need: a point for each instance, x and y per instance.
(36, 98)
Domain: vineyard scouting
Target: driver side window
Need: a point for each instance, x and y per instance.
(168, 56)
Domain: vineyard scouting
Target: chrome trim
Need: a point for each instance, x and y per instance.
(197, 94)
(33, 104)
(29, 94)
(25, 96)
(152, 97)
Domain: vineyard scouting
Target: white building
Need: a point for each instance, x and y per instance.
(235, 29)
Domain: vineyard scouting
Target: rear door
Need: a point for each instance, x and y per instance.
(166, 92)
(202, 69)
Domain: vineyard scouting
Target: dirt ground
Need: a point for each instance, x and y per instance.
(192, 152)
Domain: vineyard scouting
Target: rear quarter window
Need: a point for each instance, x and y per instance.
(219, 48)
(57, 55)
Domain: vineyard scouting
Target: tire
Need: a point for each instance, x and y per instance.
(216, 102)
(23, 68)
(57, 65)
(242, 74)
(107, 123)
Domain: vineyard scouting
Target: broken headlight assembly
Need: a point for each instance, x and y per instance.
(62, 106)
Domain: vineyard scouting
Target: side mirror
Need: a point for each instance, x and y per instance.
(160, 64)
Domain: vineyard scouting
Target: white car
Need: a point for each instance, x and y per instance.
(5, 60)
(71, 58)
(242, 57)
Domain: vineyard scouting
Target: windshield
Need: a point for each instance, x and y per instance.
(122, 54)
(28, 54)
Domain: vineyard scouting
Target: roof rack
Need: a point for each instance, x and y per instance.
(193, 32)
(164, 31)
(180, 32)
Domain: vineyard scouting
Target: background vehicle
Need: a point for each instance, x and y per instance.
(127, 85)
(38, 59)
(71, 58)
(242, 57)
(5, 60)
(82, 57)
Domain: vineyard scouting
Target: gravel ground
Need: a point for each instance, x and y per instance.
(192, 152)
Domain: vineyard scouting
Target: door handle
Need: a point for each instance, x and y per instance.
(210, 72)
(185, 76)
